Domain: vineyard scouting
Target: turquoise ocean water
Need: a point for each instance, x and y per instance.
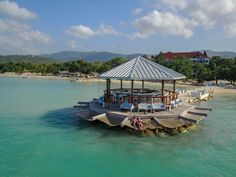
(41, 137)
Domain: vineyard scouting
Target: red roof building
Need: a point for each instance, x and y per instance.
(194, 56)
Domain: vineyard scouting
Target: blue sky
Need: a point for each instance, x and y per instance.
(124, 26)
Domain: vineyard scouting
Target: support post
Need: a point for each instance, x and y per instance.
(107, 86)
(174, 86)
(108, 91)
(142, 85)
(132, 91)
(121, 86)
(162, 90)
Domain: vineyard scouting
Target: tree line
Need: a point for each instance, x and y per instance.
(217, 69)
(45, 68)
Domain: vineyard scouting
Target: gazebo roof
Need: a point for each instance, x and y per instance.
(140, 68)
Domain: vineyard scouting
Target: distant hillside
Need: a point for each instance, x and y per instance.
(224, 54)
(25, 58)
(89, 56)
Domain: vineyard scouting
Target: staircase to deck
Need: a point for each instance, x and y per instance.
(195, 114)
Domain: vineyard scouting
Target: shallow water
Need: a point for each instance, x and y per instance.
(40, 136)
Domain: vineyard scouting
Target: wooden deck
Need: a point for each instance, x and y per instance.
(112, 116)
(115, 109)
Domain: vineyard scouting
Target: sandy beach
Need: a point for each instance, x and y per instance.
(187, 85)
(31, 76)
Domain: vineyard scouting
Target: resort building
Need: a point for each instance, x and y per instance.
(199, 57)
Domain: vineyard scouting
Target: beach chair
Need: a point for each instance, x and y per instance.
(101, 101)
(158, 107)
(179, 91)
(173, 104)
(127, 106)
(144, 106)
(178, 102)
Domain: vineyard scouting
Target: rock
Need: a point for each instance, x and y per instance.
(167, 130)
(174, 132)
(182, 130)
(192, 127)
(163, 134)
(159, 127)
(156, 131)
(149, 132)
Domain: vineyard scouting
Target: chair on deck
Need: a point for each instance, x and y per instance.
(158, 107)
(181, 91)
(127, 106)
(101, 101)
(144, 106)
(173, 104)
(178, 102)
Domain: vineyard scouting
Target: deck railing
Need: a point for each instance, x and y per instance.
(145, 95)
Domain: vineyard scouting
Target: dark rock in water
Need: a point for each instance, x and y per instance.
(182, 130)
(187, 126)
(174, 132)
(192, 127)
(156, 131)
(159, 127)
(167, 130)
(163, 134)
(135, 132)
(149, 132)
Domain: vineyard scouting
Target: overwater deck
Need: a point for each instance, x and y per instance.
(115, 110)
(112, 116)
(106, 108)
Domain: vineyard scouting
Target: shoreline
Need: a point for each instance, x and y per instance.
(72, 79)
(218, 90)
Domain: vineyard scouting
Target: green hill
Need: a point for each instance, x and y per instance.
(26, 59)
(89, 56)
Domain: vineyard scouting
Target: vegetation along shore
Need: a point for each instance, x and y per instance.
(217, 69)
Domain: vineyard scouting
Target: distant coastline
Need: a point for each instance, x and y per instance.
(50, 77)
(218, 89)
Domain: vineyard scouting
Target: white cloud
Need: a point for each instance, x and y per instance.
(165, 23)
(137, 35)
(16, 37)
(12, 9)
(34, 36)
(137, 11)
(82, 31)
(11, 25)
(73, 44)
(212, 13)
(230, 30)
(207, 14)
(175, 4)
(106, 30)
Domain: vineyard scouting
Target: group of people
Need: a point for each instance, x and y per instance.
(137, 122)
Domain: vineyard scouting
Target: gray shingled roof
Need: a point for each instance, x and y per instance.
(140, 68)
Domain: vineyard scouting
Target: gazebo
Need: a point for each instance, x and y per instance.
(141, 69)
(142, 109)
